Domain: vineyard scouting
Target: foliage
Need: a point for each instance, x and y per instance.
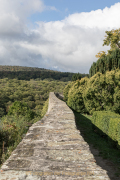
(100, 142)
(45, 108)
(12, 128)
(101, 92)
(109, 123)
(21, 104)
(18, 108)
(34, 93)
(111, 60)
(106, 63)
(11, 133)
(66, 90)
(27, 73)
(112, 38)
(2, 112)
(100, 54)
(75, 95)
(76, 76)
(114, 129)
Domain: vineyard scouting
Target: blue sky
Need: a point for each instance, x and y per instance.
(66, 7)
(63, 35)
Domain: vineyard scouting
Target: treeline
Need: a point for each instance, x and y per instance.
(21, 105)
(27, 73)
(111, 60)
(106, 63)
(101, 92)
(32, 92)
(21, 68)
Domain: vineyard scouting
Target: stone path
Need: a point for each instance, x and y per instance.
(53, 149)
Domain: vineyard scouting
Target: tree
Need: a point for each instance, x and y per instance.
(100, 54)
(18, 108)
(66, 90)
(75, 95)
(76, 77)
(111, 60)
(112, 38)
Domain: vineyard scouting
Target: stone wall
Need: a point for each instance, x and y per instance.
(53, 149)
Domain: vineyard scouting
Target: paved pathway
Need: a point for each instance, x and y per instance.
(53, 149)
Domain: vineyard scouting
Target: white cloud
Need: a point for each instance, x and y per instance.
(106, 18)
(68, 45)
(13, 15)
(21, 7)
(51, 8)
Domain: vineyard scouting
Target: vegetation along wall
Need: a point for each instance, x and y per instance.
(99, 95)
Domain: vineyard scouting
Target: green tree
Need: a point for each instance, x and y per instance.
(103, 92)
(112, 38)
(75, 95)
(76, 76)
(19, 108)
(66, 90)
(100, 54)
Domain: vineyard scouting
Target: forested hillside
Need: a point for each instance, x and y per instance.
(33, 92)
(24, 93)
(22, 104)
(27, 73)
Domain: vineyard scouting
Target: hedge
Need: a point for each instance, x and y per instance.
(109, 123)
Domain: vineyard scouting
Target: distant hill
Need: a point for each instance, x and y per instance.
(21, 68)
(27, 73)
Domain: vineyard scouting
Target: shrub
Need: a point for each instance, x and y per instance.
(18, 108)
(76, 76)
(45, 108)
(101, 119)
(114, 129)
(109, 123)
(98, 95)
(75, 95)
(66, 90)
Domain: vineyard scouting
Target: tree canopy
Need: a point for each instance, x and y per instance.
(111, 60)
(76, 76)
(112, 38)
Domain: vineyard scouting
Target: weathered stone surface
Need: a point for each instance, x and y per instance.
(53, 149)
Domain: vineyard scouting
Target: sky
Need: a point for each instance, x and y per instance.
(61, 35)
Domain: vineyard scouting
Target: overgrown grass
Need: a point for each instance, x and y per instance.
(99, 142)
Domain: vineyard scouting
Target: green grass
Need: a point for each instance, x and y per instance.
(99, 142)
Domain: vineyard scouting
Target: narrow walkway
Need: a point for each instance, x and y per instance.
(53, 149)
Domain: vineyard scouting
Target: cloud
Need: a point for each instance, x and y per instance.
(67, 45)
(13, 15)
(106, 18)
(51, 8)
(21, 8)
